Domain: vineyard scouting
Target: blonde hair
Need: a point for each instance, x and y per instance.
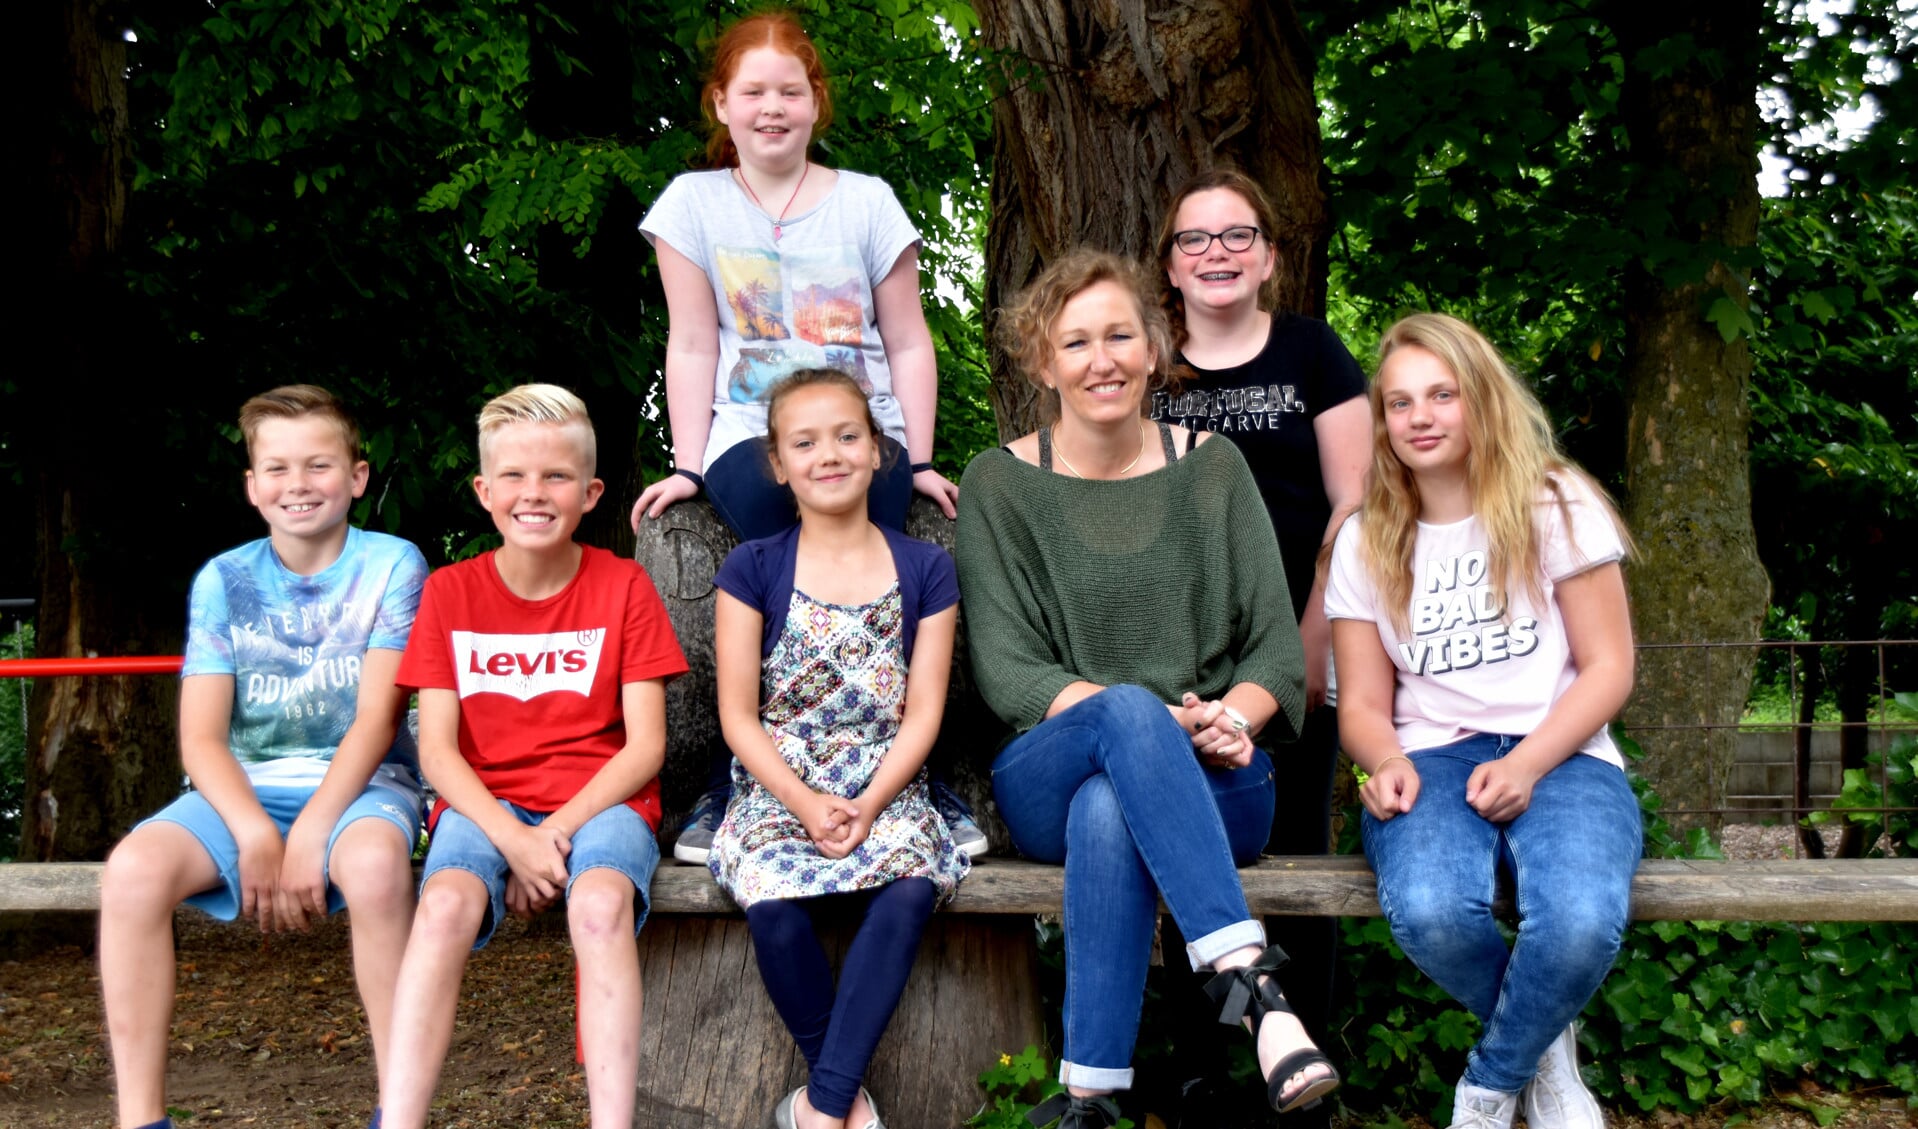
(1513, 457)
(1024, 325)
(294, 401)
(539, 403)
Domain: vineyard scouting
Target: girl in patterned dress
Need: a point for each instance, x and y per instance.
(833, 643)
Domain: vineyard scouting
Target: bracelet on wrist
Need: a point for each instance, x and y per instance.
(694, 476)
(917, 467)
(1388, 760)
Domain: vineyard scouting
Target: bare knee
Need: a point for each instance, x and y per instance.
(451, 909)
(150, 872)
(599, 908)
(372, 867)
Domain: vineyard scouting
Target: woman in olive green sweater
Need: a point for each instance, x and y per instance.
(1128, 616)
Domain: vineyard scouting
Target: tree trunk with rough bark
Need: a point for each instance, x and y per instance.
(1692, 117)
(101, 752)
(1127, 101)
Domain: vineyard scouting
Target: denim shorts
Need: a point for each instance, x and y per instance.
(617, 839)
(283, 805)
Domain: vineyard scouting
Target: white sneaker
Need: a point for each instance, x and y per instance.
(1556, 1097)
(1475, 1107)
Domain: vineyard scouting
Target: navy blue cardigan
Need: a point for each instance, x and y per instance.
(760, 575)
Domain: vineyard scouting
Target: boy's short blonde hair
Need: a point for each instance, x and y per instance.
(539, 403)
(293, 401)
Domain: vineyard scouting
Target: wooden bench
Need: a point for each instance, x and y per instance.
(714, 1053)
(1331, 886)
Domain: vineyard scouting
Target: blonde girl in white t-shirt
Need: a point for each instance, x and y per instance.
(1483, 643)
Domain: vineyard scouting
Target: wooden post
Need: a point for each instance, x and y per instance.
(713, 1052)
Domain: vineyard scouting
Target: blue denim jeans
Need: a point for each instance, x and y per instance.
(1571, 855)
(1112, 788)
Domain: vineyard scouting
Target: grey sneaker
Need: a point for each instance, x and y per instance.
(966, 834)
(1556, 1097)
(1474, 1107)
(696, 834)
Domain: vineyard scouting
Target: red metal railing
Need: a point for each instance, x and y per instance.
(79, 668)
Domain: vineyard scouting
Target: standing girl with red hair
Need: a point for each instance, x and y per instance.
(773, 264)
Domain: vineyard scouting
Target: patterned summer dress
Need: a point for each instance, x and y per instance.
(833, 692)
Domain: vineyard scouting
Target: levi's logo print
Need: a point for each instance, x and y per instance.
(526, 666)
(1456, 621)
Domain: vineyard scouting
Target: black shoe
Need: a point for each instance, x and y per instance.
(1254, 991)
(1075, 1112)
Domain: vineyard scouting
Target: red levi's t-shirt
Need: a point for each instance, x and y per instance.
(539, 680)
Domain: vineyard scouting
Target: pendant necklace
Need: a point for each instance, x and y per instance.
(781, 221)
(1056, 450)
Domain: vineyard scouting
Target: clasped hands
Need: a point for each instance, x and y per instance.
(1217, 738)
(835, 825)
(536, 862)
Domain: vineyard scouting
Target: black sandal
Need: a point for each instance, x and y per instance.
(1074, 1112)
(1242, 992)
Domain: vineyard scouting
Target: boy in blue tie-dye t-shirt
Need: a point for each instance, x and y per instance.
(306, 792)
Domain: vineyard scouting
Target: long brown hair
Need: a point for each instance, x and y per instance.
(1248, 190)
(780, 31)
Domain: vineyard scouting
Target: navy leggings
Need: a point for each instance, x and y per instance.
(838, 1029)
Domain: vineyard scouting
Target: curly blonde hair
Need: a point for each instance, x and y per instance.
(1023, 327)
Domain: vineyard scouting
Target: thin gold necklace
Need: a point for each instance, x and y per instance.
(1060, 451)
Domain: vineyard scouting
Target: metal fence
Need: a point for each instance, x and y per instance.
(1790, 766)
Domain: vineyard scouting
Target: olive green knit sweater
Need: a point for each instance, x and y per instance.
(1170, 580)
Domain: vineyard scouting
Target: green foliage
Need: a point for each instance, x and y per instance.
(16, 643)
(896, 69)
(1478, 167)
(1693, 1014)
(1478, 164)
(418, 205)
(1014, 1085)
(1833, 427)
(1897, 767)
(1701, 1012)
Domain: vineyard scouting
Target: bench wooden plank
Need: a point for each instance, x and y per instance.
(1665, 889)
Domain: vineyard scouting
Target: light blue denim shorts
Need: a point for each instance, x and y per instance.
(617, 839)
(284, 805)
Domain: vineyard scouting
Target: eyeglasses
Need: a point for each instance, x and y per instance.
(1197, 242)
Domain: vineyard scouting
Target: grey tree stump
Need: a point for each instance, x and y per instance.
(712, 1050)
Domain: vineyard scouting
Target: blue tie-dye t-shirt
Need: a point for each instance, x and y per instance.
(294, 646)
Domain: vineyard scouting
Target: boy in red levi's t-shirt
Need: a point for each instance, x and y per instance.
(542, 671)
